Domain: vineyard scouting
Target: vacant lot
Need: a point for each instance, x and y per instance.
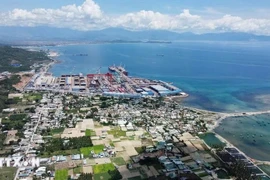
(103, 168)
(7, 173)
(119, 161)
(61, 174)
(87, 150)
(117, 133)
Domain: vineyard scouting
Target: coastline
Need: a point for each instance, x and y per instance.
(217, 122)
(224, 116)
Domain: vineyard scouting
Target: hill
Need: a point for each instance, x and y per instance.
(50, 34)
(17, 59)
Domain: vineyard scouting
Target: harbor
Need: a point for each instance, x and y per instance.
(116, 82)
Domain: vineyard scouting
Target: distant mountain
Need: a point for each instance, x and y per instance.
(51, 34)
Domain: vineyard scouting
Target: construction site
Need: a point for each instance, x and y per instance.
(116, 82)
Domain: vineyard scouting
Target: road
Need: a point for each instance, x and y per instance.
(30, 142)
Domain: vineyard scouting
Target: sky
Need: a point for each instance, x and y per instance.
(198, 16)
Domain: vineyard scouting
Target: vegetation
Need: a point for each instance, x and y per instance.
(77, 170)
(117, 133)
(5, 88)
(119, 161)
(2, 139)
(15, 121)
(115, 174)
(7, 173)
(61, 174)
(102, 168)
(34, 96)
(58, 144)
(17, 59)
(51, 132)
(85, 176)
(102, 176)
(90, 132)
(86, 151)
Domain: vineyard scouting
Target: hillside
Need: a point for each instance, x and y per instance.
(17, 59)
(21, 35)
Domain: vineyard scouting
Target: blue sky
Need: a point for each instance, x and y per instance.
(197, 16)
(235, 7)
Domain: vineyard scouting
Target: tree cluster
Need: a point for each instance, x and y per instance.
(58, 144)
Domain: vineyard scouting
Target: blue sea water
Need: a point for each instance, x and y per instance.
(219, 76)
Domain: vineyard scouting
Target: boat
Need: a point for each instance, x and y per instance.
(123, 70)
(112, 68)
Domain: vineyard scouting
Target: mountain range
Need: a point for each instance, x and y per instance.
(11, 34)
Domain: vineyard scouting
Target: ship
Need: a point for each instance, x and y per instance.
(123, 70)
(112, 68)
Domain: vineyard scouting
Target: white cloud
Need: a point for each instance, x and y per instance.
(89, 16)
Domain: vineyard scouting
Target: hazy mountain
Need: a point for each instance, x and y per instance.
(50, 34)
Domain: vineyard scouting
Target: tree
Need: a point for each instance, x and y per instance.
(115, 175)
(86, 176)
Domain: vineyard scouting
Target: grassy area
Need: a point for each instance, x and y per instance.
(63, 152)
(87, 150)
(77, 170)
(119, 161)
(265, 168)
(139, 150)
(57, 130)
(33, 96)
(117, 133)
(102, 176)
(211, 140)
(135, 178)
(90, 132)
(103, 168)
(7, 173)
(61, 174)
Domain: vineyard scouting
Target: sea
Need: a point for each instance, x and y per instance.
(218, 76)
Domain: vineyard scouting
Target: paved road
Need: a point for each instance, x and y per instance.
(30, 142)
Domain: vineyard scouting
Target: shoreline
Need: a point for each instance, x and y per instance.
(221, 115)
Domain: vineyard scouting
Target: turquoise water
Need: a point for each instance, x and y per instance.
(211, 140)
(250, 134)
(218, 76)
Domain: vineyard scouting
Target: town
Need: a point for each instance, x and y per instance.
(101, 137)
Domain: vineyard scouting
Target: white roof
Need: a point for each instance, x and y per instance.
(159, 88)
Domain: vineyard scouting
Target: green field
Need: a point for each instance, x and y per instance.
(61, 174)
(33, 96)
(57, 130)
(119, 161)
(63, 152)
(87, 150)
(77, 170)
(117, 133)
(7, 173)
(90, 132)
(103, 168)
(102, 176)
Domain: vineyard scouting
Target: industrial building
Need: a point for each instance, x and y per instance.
(115, 83)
